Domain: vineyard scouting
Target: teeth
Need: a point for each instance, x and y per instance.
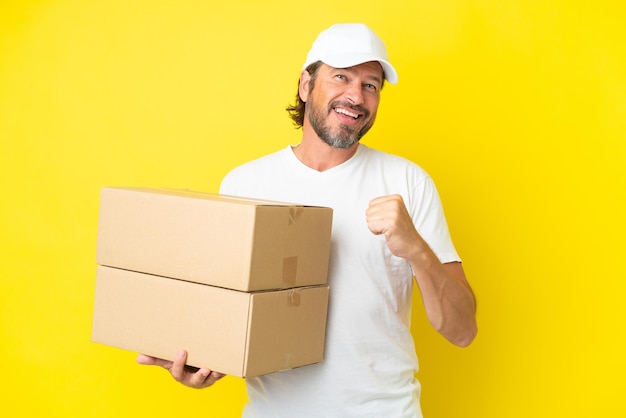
(347, 113)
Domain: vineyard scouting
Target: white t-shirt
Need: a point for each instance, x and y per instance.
(369, 360)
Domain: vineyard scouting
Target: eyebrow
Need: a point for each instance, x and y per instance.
(370, 77)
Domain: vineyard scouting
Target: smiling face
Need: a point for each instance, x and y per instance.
(341, 104)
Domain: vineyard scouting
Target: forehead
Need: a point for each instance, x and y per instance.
(371, 69)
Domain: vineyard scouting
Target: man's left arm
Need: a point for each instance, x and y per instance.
(448, 298)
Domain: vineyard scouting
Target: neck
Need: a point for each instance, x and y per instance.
(318, 155)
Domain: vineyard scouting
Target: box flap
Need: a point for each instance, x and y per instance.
(208, 196)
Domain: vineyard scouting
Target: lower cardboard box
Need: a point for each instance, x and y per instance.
(238, 333)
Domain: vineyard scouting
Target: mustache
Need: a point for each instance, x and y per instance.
(357, 108)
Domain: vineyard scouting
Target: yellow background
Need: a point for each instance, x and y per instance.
(516, 108)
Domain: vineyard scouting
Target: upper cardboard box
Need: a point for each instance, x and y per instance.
(236, 243)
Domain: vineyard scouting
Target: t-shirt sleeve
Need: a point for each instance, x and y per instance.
(227, 185)
(430, 221)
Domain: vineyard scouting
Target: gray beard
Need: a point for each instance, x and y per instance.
(345, 138)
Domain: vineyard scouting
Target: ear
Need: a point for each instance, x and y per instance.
(303, 87)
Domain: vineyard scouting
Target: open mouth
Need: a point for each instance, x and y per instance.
(344, 111)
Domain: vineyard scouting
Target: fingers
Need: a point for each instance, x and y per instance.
(388, 216)
(181, 372)
(146, 360)
(192, 376)
(153, 361)
(214, 377)
(383, 213)
(383, 199)
(178, 366)
(202, 378)
(187, 374)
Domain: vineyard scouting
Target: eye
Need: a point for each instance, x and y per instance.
(341, 77)
(371, 87)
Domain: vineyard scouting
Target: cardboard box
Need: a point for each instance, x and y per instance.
(238, 333)
(236, 243)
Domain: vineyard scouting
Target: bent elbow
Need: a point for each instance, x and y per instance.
(465, 338)
(459, 336)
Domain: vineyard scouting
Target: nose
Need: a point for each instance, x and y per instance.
(354, 93)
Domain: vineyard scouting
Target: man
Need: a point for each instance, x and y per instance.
(388, 227)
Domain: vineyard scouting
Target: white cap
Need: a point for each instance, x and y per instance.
(348, 44)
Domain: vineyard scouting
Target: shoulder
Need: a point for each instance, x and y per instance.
(264, 161)
(256, 165)
(252, 170)
(392, 163)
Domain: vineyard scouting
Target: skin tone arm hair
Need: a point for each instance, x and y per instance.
(448, 299)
